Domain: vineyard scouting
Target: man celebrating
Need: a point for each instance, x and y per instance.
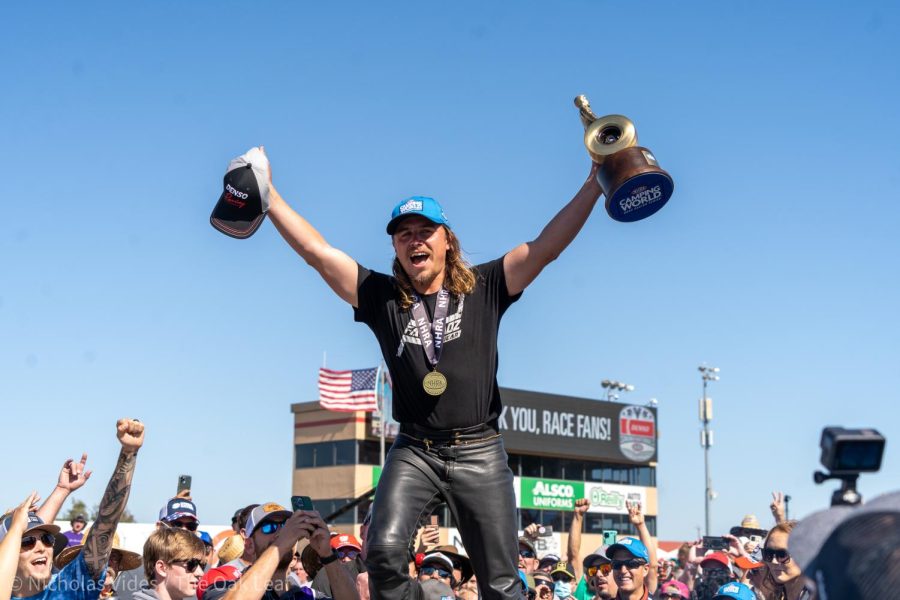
(630, 568)
(436, 321)
(81, 579)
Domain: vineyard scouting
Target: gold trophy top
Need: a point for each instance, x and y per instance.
(604, 135)
(584, 107)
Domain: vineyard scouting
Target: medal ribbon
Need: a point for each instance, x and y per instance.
(432, 335)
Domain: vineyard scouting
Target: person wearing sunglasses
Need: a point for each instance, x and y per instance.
(347, 547)
(462, 566)
(34, 573)
(674, 590)
(528, 560)
(179, 512)
(174, 560)
(563, 577)
(273, 533)
(256, 523)
(436, 565)
(780, 578)
(630, 562)
(543, 586)
(598, 573)
(12, 529)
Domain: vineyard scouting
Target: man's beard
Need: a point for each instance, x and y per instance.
(423, 279)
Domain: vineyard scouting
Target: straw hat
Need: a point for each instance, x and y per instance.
(750, 522)
(231, 549)
(130, 560)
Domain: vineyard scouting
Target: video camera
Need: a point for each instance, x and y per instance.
(845, 454)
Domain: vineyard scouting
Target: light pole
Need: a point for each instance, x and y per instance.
(706, 438)
(615, 386)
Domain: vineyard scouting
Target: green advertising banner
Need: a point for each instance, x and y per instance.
(376, 475)
(550, 494)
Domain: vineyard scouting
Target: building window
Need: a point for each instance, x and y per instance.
(524, 465)
(370, 452)
(345, 453)
(573, 470)
(330, 506)
(551, 468)
(325, 454)
(530, 466)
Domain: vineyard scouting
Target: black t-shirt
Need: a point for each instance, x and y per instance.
(469, 358)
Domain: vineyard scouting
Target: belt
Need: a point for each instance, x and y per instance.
(449, 437)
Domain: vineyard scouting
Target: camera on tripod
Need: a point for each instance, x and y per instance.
(845, 454)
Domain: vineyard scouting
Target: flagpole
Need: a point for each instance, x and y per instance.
(383, 415)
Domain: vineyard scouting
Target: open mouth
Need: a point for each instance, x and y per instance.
(40, 562)
(418, 258)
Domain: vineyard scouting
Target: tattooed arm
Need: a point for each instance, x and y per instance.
(98, 544)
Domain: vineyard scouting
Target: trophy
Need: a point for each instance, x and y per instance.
(632, 181)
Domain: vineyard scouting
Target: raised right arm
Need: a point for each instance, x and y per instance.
(573, 548)
(338, 270)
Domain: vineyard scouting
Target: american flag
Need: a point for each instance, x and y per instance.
(347, 391)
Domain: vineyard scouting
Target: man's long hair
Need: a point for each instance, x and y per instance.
(459, 276)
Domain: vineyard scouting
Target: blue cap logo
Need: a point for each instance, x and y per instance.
(735, 591)
(417, 205)
(411, 204)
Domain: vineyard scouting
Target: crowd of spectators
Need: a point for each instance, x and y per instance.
(276, 553)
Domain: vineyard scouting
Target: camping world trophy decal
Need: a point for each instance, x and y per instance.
(637, 433)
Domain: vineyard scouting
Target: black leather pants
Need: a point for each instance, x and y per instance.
(473, 477)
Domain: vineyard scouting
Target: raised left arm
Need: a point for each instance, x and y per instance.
(525, 262)
(98, 543)
(12, 544)
(71, 477)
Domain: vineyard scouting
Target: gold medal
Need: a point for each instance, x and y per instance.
(435, 383)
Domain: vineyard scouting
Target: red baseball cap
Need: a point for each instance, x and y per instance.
(719, 557)
(345, 540)
(747, 564)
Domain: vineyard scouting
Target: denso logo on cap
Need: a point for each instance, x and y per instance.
(410, 205)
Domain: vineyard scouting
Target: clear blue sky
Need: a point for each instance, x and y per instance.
(775, 260)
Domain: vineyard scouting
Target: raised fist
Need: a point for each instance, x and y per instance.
(130, 433)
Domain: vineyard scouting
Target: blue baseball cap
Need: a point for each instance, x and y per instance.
(205, 538)
(417, 205)
(734, 591)
(634, 547)
(177, 508)
(34, 522)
